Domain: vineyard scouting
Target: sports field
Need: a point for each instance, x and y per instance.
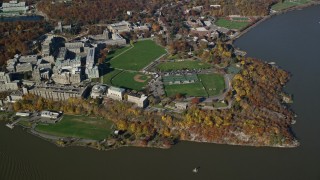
(107, 78)
(78, 127)
(116, 52)
(180, 65)
(222, 22)
(192, 89)
(137, 57)
(130, 80)
(208, 85)
(213, 83)
(287, 4)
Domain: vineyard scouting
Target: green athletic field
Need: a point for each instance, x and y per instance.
(208, 85)
(78, 127)
(179, 65)
(137, 57)
(222, 22)
(126, 79)
(192, 89)
(213, 83)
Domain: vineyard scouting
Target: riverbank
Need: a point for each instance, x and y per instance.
(216, 121)
(313, 3)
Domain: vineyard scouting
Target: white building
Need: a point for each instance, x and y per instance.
(140, 101)
(23, 114)
(14, 6)
(90, 58)
(119, 27)
(181, 105)
(98, 91)
(50, 114)
(115, 93)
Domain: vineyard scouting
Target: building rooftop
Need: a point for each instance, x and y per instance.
(117, 89)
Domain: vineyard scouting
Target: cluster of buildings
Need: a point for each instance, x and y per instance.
(111, 35)
(58, 92)
(59, 71)
(119, 94)
(74, 62)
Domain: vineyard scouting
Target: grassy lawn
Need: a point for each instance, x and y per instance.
(233, 69)
(126, 80)
(79, 127)
(142, 54)
(108, 77)
(214, 83)
(169, 66)
(25, 123)
(231, 24)
(192, 89)
(287, 4)
(219, 104)
(240, 18)
(120, 50)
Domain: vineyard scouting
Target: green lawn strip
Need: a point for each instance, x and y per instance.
(125, 79)
(191, 89)
(240, 19)
(213, 83)
(107, 78)
(179, 65)
(142, 54)
(222, 22)
(233, 69)
(78, 127)
(220, 104)
(287, 4)
(116, 52)
(25, 123)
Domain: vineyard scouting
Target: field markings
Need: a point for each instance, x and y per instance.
(132, 46)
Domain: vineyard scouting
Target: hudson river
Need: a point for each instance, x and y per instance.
(291, 40)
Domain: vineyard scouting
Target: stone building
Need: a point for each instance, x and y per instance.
(39, 74)
(139, 100)
(61, 28)
(24, 67)
(98, 91)
(5, 77)
(119, 27)
(69, 63)
(32, 59)
(104, 36)
(57, 92)
(11, 65)
(15, 96)
(90, 58)
(62, 53)
(14, 6)
(43, 64)
(92, 72)
(115, 93)
(67, 78)
(181, 105)
(75, 47)
(10, 86)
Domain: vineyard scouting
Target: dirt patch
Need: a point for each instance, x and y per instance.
(140, 78)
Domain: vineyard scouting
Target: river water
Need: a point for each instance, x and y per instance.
(291, 40)
(21, 18)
